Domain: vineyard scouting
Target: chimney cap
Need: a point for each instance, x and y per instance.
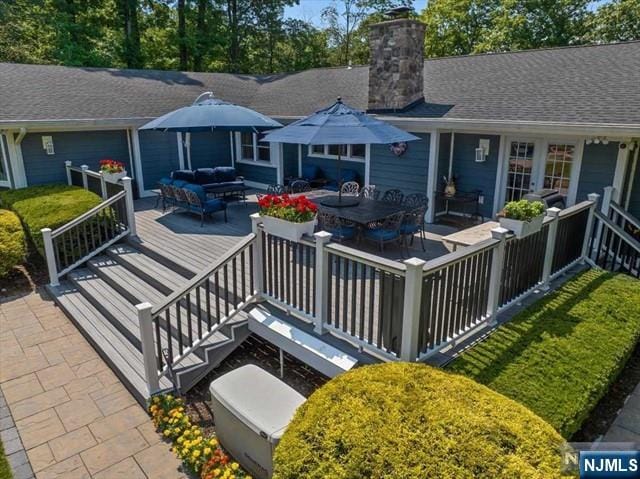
(398, 12)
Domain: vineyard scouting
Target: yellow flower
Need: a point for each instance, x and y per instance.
(156, 399)
(207, 450)
(180, 440)
(167, 432)
(196, 453)
(216, 472)
(235, 466)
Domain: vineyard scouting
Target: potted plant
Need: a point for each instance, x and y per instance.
(288, 217)
(112, 170)
(522, 217)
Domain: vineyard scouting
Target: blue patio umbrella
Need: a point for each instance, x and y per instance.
(208, 113)
(339, 125)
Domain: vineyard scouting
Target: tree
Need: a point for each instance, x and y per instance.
(617, 21)
(182, 35)
(128, 10)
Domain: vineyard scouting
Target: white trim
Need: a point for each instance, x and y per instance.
(187, 144)
(276, 149)
(137, 164)
(263, 164)
(574, 181)
(5, 164)
(15, 158)
(180, 150)
(499, 180)
(367, 165)
(452, 145)
(618, 177)
(632, 172)
(326, 155)
(255, 160)
(432, 176)
(233, 152)
(299, 161)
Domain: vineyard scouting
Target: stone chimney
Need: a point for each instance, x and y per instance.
(396, 65)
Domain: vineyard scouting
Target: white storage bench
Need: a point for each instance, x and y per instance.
(251, 409)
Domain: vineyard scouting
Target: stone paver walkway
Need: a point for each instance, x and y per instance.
(626, 427)
(73, 416)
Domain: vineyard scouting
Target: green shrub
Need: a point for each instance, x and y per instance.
(559, 356)
(48, 206)
(403, 420)
(523, 210)
(12, 246)
(5, 469)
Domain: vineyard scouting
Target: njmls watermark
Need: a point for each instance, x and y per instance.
(602, 460)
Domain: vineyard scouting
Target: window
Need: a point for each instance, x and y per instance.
(557, 169)
(347, 152)
(252, 148)
(521, 156)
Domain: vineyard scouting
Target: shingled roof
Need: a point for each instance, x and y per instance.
(589, 84)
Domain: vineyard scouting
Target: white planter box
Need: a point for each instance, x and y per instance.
(114, 177)
(287, 229)
(522, 228)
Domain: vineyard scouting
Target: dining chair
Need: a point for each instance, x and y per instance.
(385, 231)
(393, 196)
(412, 224)
(369, 192)
(340, 230)
(276, 189)
(350, 188)
(415, 200)
(299, 186)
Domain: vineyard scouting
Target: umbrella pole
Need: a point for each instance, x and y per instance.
(188, 142)
(339, 179)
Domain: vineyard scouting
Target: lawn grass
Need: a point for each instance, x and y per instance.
(559, 356)
(47, 206)
(5, 470)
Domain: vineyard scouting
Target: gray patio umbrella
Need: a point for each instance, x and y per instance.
(339, 125)
(208, 113)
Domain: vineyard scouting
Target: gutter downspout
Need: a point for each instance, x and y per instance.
(15, 157)
(453, 137)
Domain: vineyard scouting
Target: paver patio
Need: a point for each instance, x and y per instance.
(74, 417)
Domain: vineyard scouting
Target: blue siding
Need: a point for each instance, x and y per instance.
(407, 172)
(259, 174)
(80, 147)
(597, 170)
(329, 166)
(159, 154)
(473, 176)
(443, 157)
(290, 159)
(210, 149)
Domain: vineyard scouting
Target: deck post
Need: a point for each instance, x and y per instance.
(411, 311)
(67, 167)
(550, 247)
(258, 255)
(322, 271)
(131, 216)
(594, 197)
(495, 278)
(148, 354)
(85, 181)
(103, 186)
(50, 256)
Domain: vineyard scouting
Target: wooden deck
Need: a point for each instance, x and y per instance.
(178, 236)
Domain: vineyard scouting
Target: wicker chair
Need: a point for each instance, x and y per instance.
(369, 192)
(393, 196)
(386, 231)
(350, 188)
(276, 189)
(415, 200)
(413, 223)
(341, 230)
(299, 186)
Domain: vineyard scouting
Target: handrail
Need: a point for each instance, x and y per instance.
(572, 210)
(459, 255)
(625, 214)
(87, 214)
(204, 275)
(366, 258)
(618, 231)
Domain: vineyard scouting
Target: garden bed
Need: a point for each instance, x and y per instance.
(560, 356)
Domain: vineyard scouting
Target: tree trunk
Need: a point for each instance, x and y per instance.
(182, 36)
(201, 42)
(129, 18)
(234, 41)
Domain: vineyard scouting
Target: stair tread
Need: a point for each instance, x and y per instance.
(114, 347)
(118, 307)
(128, 254)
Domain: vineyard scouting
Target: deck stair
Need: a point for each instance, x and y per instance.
(100, 298)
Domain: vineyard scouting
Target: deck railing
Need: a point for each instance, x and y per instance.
(86, 236)
(191, 315)
(614, 249)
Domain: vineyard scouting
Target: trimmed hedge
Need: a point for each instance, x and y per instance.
(48, 206)
(12, 246)
(559, 356)
(404, 420)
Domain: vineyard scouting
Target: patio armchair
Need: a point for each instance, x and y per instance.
(299, 186)
(197, 202)
(386, 231)
(415, 200)
(180, 196)
(167, 196)
(413, 223)
(276, 189)
(369, 192)
(350, 188)
(347, 176)
(393, 196)
(340, 230)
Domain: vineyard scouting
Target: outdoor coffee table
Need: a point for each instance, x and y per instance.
(472, 235)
